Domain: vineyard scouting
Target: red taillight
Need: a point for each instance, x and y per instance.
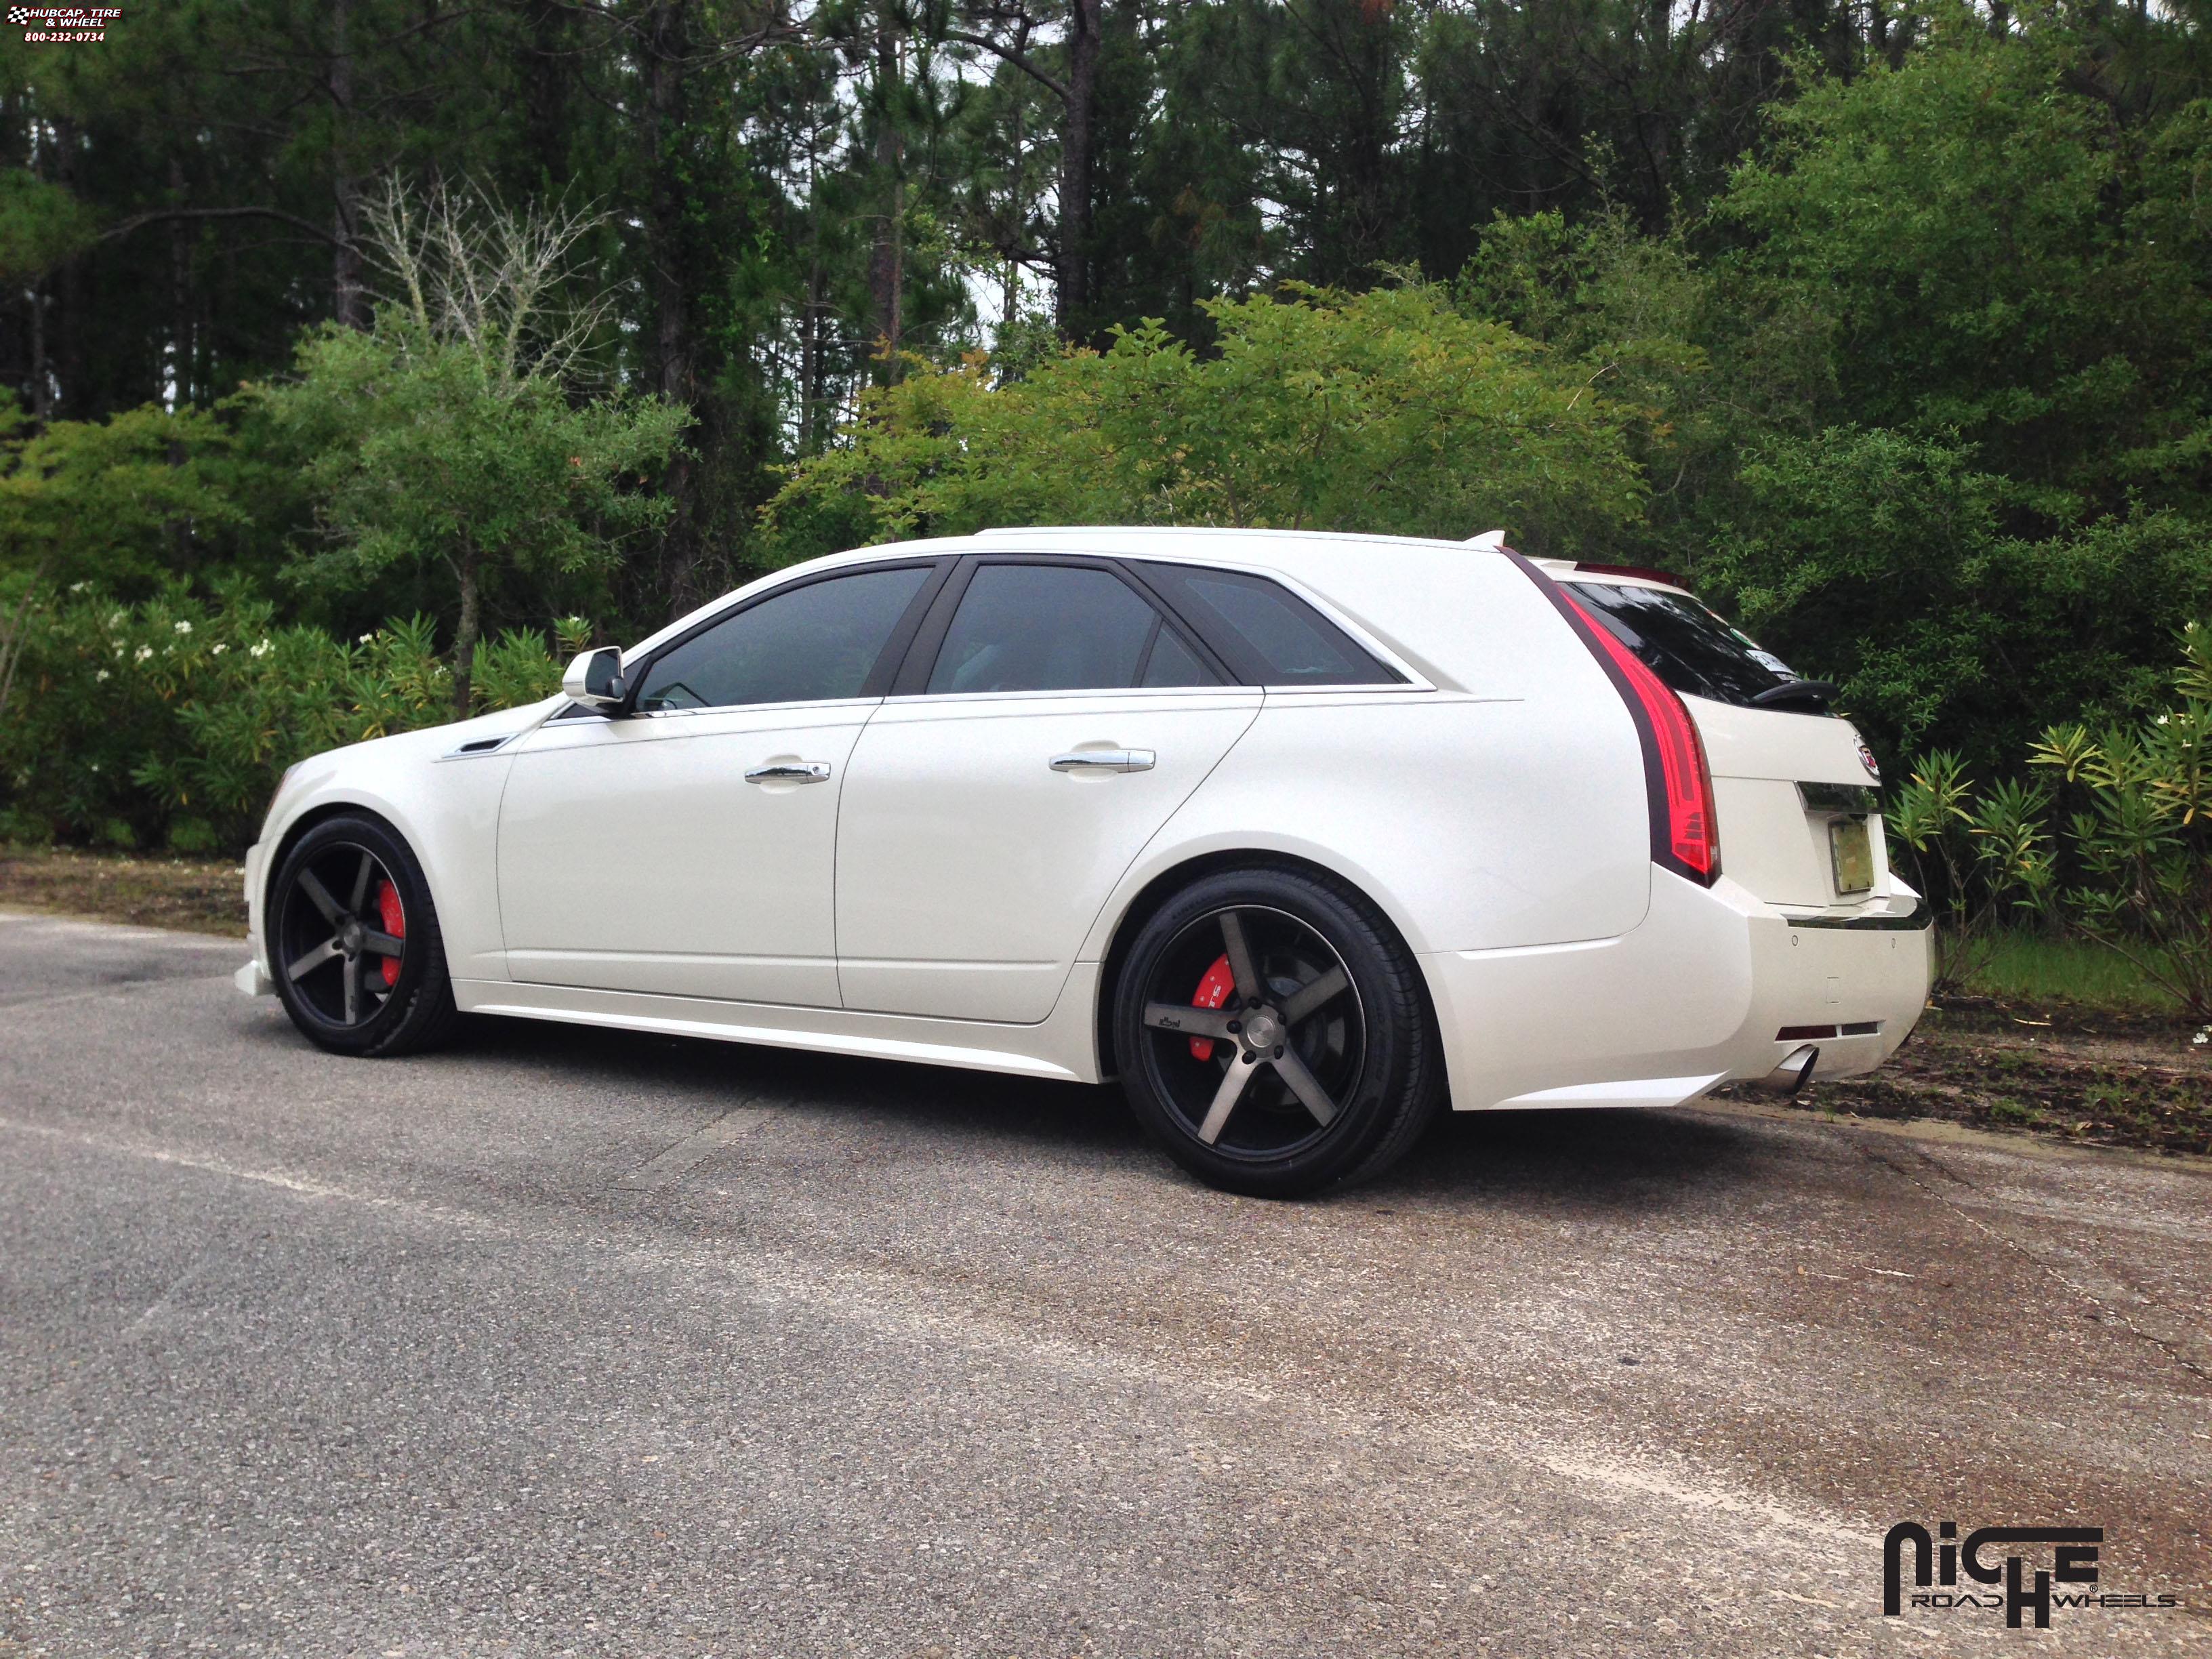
(1691, 843)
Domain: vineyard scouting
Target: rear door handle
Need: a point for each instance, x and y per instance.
(1105, 760)
(791, 772)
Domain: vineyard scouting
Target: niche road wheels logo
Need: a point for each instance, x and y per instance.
(1936, 1566)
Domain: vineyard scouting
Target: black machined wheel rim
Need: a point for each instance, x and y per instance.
(1288, 1046)
(333, 943)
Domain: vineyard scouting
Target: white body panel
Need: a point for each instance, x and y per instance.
(968, 870)
(445, 805)
(634, 856)
(1771, 844)
(1063, 1047)
(946, 896)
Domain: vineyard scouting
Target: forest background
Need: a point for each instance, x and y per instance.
(364, 355)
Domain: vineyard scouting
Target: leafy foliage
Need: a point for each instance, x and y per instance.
(1881, 560)
(1975, 858)
(444, 439)
(1979, 220)
(1385, 410)
(172, 719)
(424, 466)
(2142, 831)
(41, 225)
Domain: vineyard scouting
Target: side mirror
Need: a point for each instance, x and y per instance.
(595, 680)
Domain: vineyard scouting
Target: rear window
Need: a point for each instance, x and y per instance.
(1686, 644)
(1265, 632)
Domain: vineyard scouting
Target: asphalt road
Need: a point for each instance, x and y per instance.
(572, 1342)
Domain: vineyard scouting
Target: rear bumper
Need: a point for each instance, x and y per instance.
(1698, 995)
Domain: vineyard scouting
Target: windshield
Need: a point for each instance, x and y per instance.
(1686, 644)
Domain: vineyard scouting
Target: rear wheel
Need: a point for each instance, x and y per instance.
(1272, 1034)
(353, 941)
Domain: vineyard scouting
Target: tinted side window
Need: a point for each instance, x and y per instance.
(811, 644)
(1684, 644)
(1058, 627)
(1281, 639)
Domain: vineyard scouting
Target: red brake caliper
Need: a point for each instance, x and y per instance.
(395, 923)
(1213, 991)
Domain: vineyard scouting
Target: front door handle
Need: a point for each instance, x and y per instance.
(1105, 760)
(791, 772)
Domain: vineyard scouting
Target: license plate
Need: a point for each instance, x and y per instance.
(1852, 849)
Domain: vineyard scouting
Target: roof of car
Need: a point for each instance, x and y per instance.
(1314, 557)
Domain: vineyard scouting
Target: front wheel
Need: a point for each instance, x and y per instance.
(353, 941)
(1273, 1035)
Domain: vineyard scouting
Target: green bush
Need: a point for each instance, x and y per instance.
(169, 721)
(1974, 858)
(1384, 411)
(2142, 832)
(2129, 869)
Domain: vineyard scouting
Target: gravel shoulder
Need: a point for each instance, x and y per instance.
(193, 895)
(2083, 1075)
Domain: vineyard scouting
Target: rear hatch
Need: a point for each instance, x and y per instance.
(1794, 785)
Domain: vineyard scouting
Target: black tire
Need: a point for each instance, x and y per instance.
(327, 914)
(1366, 1050)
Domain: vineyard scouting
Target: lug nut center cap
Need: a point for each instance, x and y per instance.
(1262, 1030)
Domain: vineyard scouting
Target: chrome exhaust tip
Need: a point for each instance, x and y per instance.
(1795, 1072)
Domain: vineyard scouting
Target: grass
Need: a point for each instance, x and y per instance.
(2030, 967)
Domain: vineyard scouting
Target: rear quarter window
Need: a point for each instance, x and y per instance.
(1688, 647)
(1265, 632)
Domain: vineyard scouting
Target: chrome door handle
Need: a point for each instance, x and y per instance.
(791, 772)
(1105, 760)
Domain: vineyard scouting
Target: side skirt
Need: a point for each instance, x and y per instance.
(1061, 1047)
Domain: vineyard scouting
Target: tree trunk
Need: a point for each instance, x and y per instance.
(546, 123)
(810, 327)
(810, 355)
(348, 298)
(1010, 305)
(1076, 140)
(663, 126)
(887, 260)
(69, 318)
(42, 379)
(464, 634)
(666, 40)
(180, 294)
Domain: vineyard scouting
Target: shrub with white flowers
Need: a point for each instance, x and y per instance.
(171, 721)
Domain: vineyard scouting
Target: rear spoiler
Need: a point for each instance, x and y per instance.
(1493, 541)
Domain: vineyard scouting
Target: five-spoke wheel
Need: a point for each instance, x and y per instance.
(353, 940)
(359, 941)
(1272, 1034)
(1281, 1040)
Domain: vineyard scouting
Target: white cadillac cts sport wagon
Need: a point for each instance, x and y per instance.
(1299, 835)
